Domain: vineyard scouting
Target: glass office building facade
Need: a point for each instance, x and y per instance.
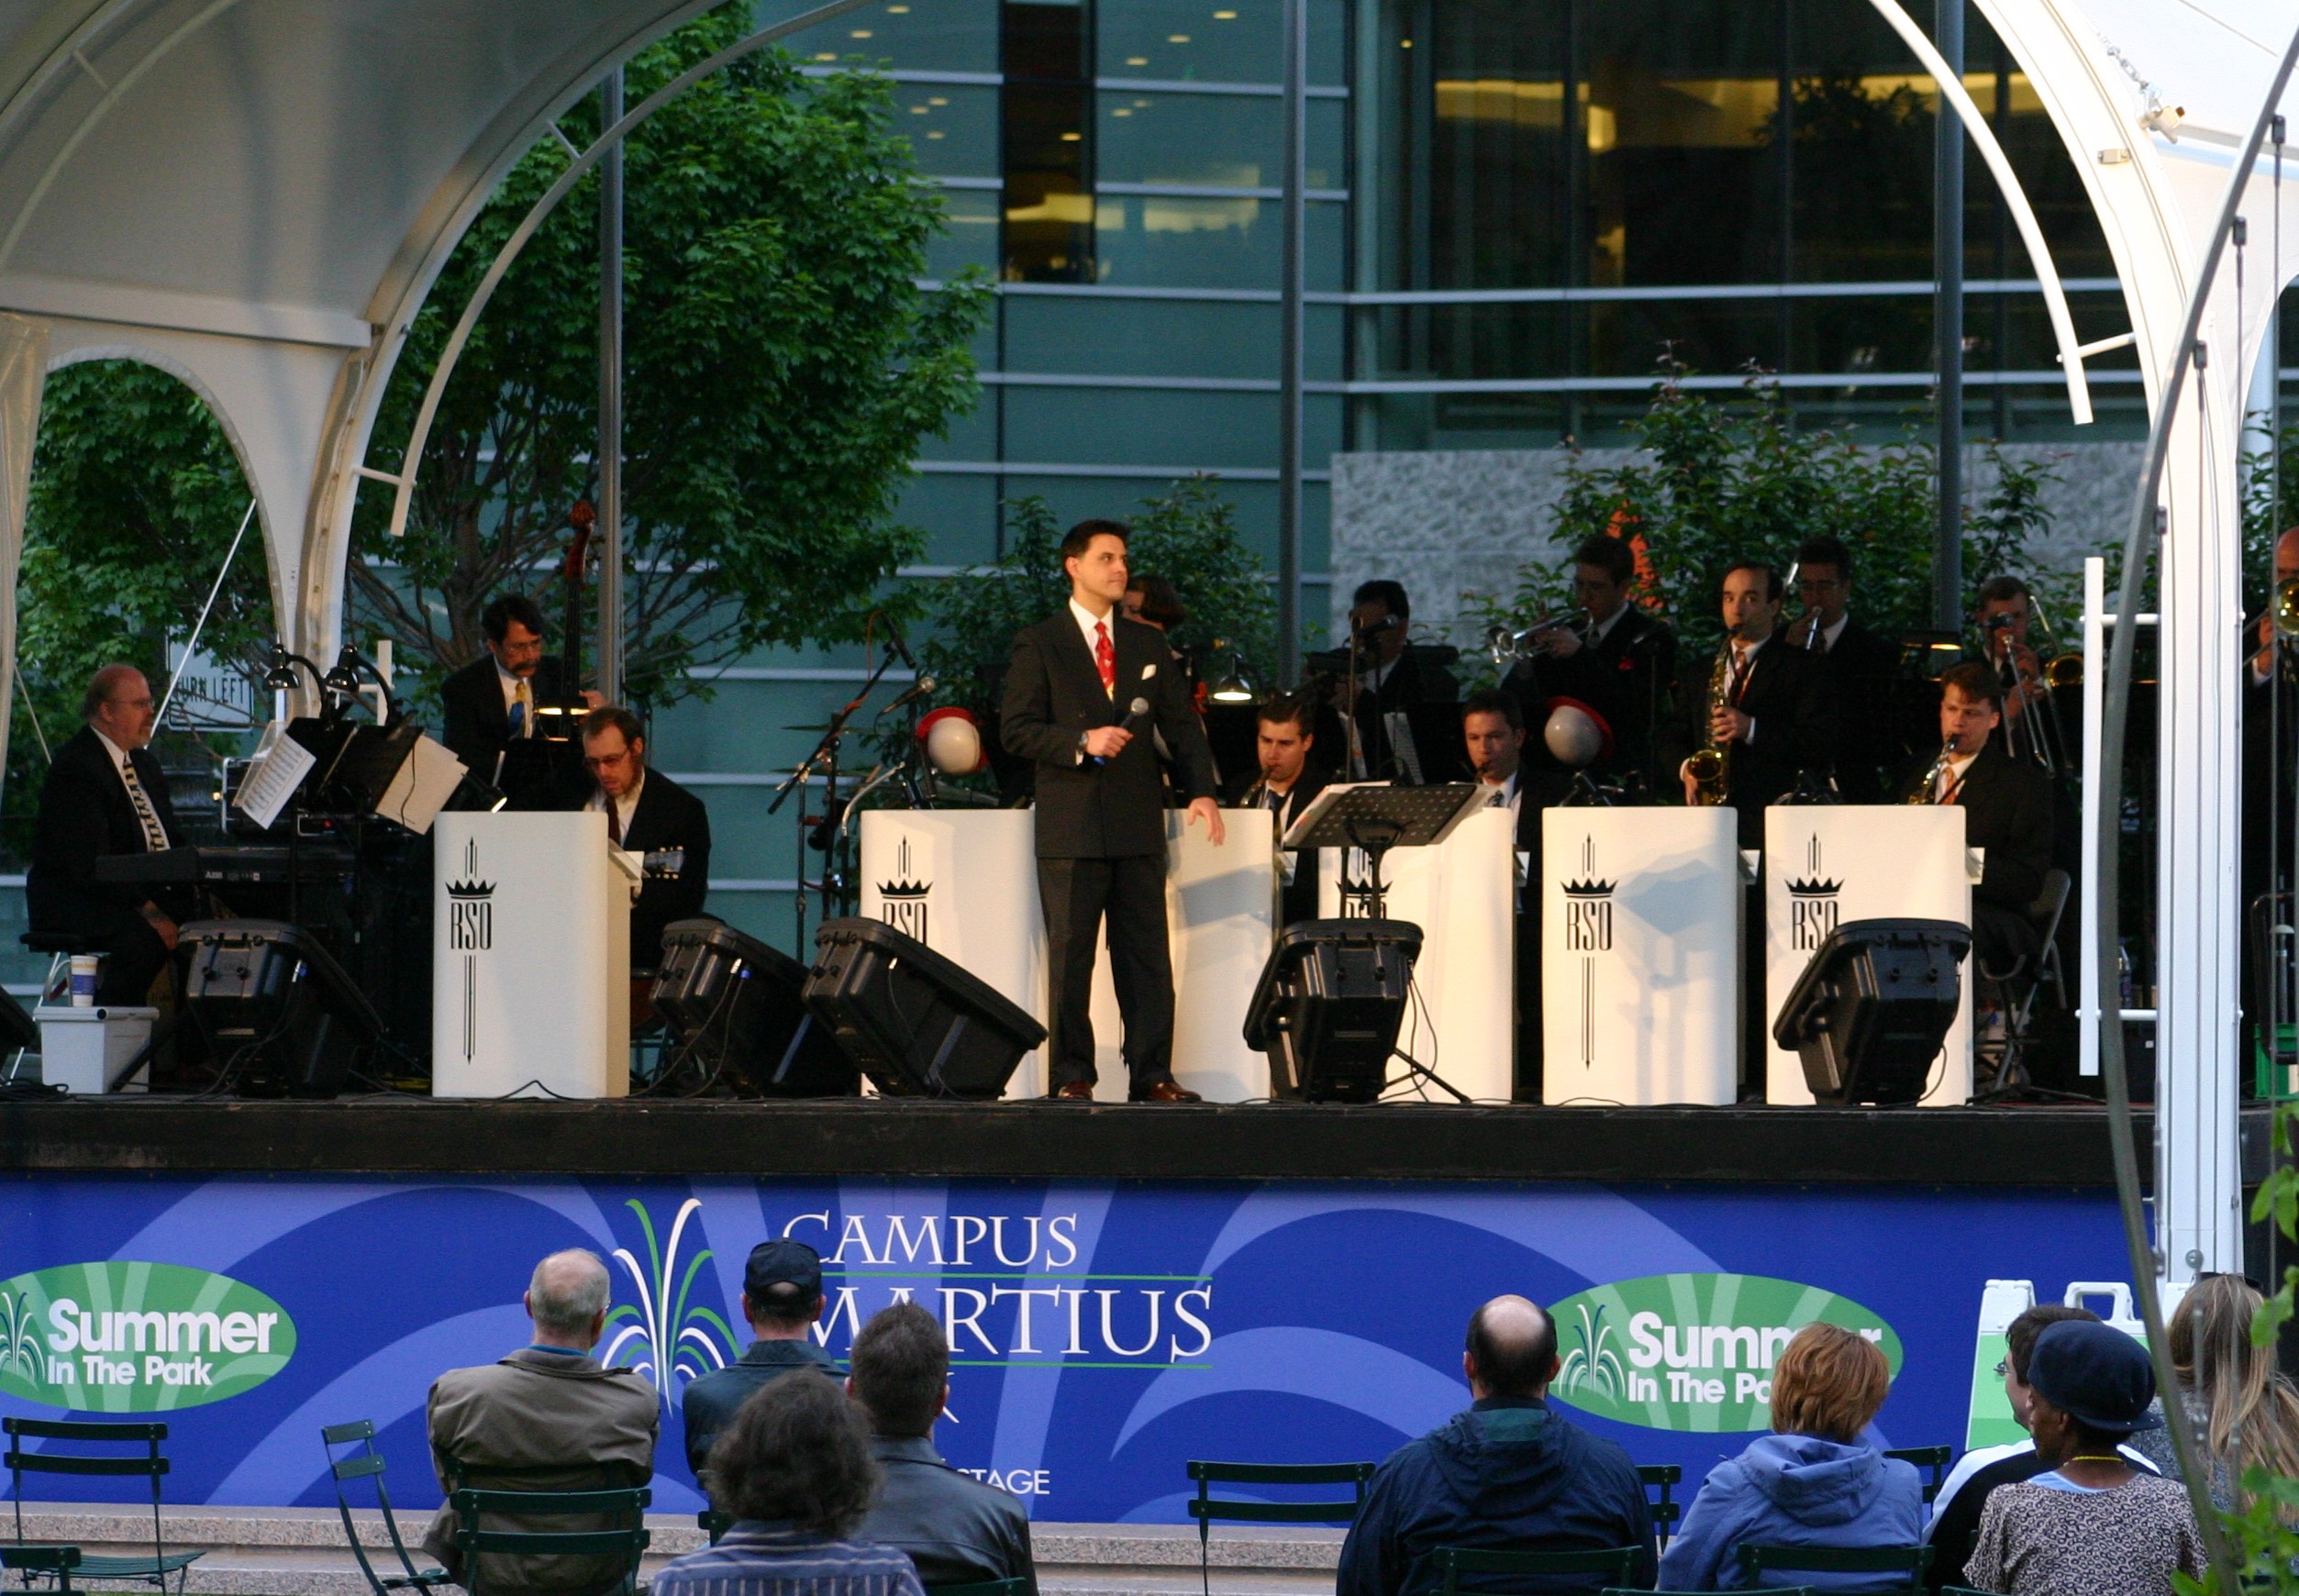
(1513, 208)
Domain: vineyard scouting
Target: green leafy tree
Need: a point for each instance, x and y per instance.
(136, 496)
(782, 367)
(1720, 481)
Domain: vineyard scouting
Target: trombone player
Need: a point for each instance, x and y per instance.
(2005, 610)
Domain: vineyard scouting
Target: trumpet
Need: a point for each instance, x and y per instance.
(1927, 790)
(1509, 648)
(1711, 767)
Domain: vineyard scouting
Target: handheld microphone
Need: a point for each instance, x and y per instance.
(917, 689)
(1135, 712)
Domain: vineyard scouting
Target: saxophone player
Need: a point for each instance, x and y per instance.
(2008, 810)
(1766, 705)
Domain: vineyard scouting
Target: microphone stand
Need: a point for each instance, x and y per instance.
(826, 756)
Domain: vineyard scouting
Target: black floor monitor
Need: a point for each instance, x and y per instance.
(278, 1015)
(1869, 1011)
(1328, 1006)
(917, 1024)
(737, 1007)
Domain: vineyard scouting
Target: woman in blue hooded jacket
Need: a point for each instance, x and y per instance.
(1813, 1483)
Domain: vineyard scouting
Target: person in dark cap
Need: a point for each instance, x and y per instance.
(2092, 1525)
(782, 1298)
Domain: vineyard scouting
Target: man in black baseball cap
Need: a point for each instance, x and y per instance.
(782, 1298)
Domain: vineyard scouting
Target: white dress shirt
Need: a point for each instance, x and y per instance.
(511, 685)
(625, 807)
(155, 837)
(1952, 779)
(1087, 620)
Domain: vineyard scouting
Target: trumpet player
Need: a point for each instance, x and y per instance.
(1614, 658)
(1768, 705)
(2007, 808)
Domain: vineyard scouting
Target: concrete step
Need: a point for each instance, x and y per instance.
(300, 1551)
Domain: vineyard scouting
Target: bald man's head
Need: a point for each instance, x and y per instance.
(1512, 1349)
(567, 1299)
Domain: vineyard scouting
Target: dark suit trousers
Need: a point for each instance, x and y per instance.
(1077, 894)
(134, 956)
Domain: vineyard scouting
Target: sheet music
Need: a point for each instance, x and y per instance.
(275, 771)
(426, 780)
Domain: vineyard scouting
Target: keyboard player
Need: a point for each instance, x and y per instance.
(105, 794)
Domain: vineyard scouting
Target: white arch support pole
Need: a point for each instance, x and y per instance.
(2031, 233)
(411, 460)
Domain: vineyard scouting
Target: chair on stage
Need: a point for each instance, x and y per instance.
(2017, 986)
(624, 1539)
(365, 1463)
(1529, 1569)
(1910, 1562)
(1933, 1460)
(1666, 1510)
(59, 1562)
(1205, 1507)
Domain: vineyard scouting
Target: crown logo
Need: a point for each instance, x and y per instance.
(469, 890)
(1813, 887)
(904, 889)
(1589, 889)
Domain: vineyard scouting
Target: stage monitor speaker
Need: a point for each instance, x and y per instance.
(1328, 1006)
(916, 1024)
(1869, 1011)
(278, 1013)
(734, 1004)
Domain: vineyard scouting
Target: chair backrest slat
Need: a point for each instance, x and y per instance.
(1911, 1561)
(1452, 1562)
(628, 1540)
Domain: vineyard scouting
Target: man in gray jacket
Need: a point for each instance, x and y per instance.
(956, 1529)
(548, 1417)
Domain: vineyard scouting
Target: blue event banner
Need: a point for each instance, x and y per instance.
(1102, 1333)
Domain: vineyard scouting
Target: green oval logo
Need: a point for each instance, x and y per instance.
(137, 1337)
(1692, 1352)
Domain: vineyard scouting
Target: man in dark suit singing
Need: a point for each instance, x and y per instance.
(491, 706)
(1771, 711)
(1081, 694)
(105, 794)
(2007, 808)
(647, 812)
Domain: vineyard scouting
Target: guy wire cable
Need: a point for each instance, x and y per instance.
(2115, 706)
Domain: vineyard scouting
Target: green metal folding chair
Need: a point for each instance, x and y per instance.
(1933, 1460)
(983, 1588)
(1909, 1562)
(625, 1540)
(1663, 1477)
(365, 1463)
(1452, 1562)
(152, 1571)
(713, 1524)
(1206, 1507)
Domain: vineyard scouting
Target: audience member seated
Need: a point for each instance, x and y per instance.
(1814, 1483)
(548, 1417)
(1507, 1475)
(782, 1298)
(2244, 1409)
(795, 1470)
(1965, 1493)
(955, 1529)
(2092, 1525)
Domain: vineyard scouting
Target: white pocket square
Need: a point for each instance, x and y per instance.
(1148, 671)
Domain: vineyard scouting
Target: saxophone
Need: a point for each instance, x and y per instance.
(1711, 768)
(1927, 790)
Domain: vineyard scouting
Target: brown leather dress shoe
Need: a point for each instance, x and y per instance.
(1072, 1091)
(1164, 1091)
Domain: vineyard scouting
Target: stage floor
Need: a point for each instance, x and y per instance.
(2056, 1145)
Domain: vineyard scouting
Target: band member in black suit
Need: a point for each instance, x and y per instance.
(2007, 810)
(1859, 666)
(491, 704)
(1617, 660)
(105, 794)
(1493, 734)
(1287, 785)
(1070, 693)
(1395, 679)
(1772, 710)
(647, 812)
(2003, 611)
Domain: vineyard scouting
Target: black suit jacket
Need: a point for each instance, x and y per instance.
(1053, 697)
(1860, 670)
(85, 813)
(1627, 678)
(669, 822)
(1298, 901)
(1796, 729)
(2007, 810)
(479, 727)
(1427, 695)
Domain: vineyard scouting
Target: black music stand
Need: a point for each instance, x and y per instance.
(1376, 818)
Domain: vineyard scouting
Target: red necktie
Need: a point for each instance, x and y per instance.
(1104, 657)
